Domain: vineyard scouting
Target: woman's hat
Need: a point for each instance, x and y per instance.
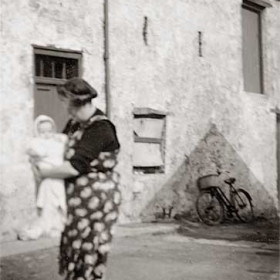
(77, 89)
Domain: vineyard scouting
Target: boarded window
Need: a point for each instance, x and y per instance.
(147, 155)
(149, 134)
(252, 47)
(148, 127)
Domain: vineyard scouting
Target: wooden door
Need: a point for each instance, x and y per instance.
(46, 102)
(278, 156)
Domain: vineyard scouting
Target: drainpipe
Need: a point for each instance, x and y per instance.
(106, 59)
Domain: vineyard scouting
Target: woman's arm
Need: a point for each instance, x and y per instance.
(37, 175)
(63, 171)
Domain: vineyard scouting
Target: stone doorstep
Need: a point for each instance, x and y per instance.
(19, 247)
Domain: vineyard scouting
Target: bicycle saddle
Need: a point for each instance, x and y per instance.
(230, 180)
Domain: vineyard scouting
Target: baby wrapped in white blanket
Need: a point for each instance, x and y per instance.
(47, 147)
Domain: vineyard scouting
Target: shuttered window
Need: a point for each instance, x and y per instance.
(149, 135)
(252, 47)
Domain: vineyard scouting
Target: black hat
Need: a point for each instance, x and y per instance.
(77, 89)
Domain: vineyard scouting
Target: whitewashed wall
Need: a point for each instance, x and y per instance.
(203, 96)
(74, 25)
(168, 75)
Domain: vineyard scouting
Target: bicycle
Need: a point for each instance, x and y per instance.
(213, 205)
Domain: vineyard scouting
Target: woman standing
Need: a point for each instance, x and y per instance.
(93, 197)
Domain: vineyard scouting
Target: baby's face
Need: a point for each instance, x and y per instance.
(45, 130)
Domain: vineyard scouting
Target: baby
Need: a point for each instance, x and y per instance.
(47, 149)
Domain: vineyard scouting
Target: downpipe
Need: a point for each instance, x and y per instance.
(106, 59)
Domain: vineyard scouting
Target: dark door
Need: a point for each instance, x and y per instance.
(53, 67)
(252, 65)
(48, 103)
(278, 156)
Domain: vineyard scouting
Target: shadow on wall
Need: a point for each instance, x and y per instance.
(179, 193)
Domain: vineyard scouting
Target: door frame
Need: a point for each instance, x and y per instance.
(54, 52)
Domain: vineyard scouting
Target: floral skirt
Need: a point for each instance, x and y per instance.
(93, 206)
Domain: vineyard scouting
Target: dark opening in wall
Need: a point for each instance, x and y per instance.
(145, 30)
(200, 44)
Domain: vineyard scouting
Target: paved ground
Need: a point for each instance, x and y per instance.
(162, 254)
(259, 231)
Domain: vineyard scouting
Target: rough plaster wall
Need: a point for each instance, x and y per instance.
(167, 74)
(213, 151)
(271, 52)
(75, 25)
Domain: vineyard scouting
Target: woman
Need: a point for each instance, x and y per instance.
(93, 197)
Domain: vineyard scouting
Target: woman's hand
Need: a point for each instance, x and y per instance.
(31, 152)
(44, 171)
(34, 157)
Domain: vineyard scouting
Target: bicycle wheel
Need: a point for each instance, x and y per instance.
(243, 205)
(209, 209)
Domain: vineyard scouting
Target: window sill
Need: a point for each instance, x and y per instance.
(155, 170)
(147, 174)
(146, 112)
(253, 92)
(50, 81)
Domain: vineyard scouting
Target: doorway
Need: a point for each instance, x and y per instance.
(53, 67)
(278, 156)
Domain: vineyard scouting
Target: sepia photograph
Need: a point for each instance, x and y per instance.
(140, 139)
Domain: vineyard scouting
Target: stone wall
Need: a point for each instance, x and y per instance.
(203, 96)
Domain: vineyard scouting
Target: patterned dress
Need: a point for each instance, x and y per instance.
(93, 200)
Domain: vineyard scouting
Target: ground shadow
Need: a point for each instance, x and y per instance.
(31, 266)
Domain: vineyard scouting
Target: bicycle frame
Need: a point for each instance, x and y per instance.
(224, 199)
(237, 202)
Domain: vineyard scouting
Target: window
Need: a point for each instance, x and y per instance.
(252, 45)
(53, 66)
(149, 133)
